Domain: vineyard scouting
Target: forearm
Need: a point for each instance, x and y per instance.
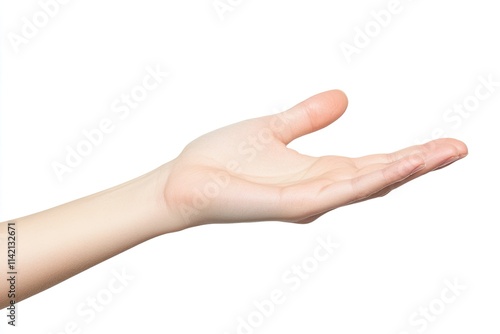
(58, 243)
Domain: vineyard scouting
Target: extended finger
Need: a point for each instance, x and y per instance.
(439, 149)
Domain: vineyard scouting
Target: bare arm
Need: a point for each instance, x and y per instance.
(60, 242)
(242, 172)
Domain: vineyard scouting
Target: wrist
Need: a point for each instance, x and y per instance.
(177, 193)
(146, 192)
(165, 199)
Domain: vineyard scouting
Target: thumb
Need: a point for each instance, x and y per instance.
(312, 114)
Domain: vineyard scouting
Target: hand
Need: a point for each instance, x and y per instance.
(242, 172)
(245, 172)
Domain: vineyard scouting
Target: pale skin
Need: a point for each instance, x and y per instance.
(240, 173)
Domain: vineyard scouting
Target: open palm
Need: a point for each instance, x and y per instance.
(246, 172)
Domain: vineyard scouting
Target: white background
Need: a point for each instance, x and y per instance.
(263, 56)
